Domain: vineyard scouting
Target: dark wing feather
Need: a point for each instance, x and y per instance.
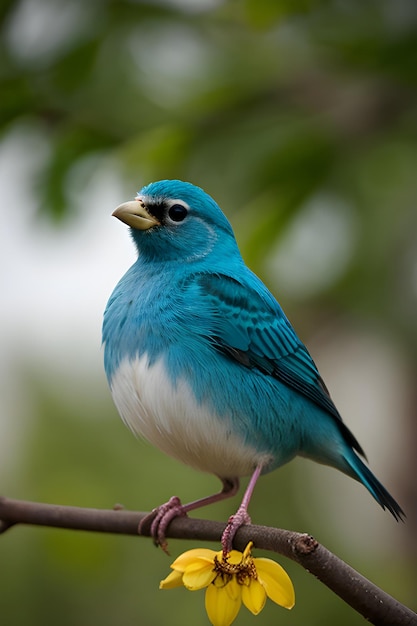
(251, 328)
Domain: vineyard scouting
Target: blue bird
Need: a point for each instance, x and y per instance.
(203, 363)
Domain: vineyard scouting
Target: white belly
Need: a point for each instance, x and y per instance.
(169, 417)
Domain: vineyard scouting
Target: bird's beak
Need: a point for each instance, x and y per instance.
(135, 215)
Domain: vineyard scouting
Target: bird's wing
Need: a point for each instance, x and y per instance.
(250, 327)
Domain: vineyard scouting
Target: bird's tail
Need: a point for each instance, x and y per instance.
(362, 473)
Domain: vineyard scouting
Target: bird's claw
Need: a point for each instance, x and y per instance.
(159, 520)
(235, 521)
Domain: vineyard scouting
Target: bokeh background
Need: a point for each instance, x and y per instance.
(299, 117)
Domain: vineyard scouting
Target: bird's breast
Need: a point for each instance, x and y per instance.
(170, 417)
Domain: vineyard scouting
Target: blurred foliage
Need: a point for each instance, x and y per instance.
(286, 111)
(265, 104)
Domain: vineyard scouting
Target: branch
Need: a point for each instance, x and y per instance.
(375, 605)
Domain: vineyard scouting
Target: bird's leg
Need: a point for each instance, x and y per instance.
(161, 517)
(241, 516)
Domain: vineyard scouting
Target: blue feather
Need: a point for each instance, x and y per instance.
(208, 326)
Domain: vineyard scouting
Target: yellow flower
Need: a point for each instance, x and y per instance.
(231, 580)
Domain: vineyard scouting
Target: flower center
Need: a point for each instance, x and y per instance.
(243, 571)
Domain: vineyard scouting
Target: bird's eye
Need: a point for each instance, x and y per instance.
(177, 212)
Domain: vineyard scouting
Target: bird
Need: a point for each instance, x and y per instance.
(202, 361)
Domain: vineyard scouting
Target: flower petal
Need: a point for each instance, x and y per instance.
(247, 550)
(276, 582)
(234, 557)
(174, 579)
(254, 596)
(221, 608)
(232, 588)
(198, 575)
(186, 558)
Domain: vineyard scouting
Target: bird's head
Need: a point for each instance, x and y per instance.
(173, 220)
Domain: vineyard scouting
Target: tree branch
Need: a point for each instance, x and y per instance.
(375, 605)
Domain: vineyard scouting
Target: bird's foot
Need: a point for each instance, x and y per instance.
(159, 520)
(235, 521)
